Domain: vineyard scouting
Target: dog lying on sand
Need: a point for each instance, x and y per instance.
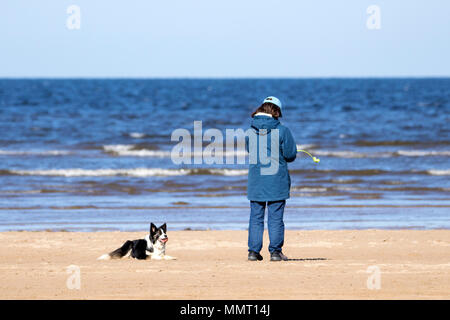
(153, 246)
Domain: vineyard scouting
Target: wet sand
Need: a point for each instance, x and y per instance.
(213, 265)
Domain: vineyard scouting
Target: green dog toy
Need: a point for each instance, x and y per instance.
(316, 160)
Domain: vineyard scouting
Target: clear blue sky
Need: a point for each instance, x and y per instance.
(224, 38)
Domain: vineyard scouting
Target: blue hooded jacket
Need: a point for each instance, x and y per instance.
(271, 187)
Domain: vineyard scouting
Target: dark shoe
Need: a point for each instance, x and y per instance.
(254, 256)
(278, 256)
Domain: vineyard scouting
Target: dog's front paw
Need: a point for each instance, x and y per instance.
(169, 258)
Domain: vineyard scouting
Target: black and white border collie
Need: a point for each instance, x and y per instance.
(153, 246)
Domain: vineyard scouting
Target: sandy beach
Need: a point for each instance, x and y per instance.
(213, 265)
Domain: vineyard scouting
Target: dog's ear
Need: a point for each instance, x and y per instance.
(164, 227)
(152, 229)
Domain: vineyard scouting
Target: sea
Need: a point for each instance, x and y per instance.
(96, 154)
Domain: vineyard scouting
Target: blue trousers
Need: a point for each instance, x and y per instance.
(274, 221)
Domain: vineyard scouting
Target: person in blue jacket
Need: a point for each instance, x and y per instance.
(270, 187)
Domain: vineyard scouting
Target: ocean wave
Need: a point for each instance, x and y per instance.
(439, 172)
(133, 172)
(399, 153)
(306, 146)
(362, 172)
(349, 154)
(422, 153)
(309, 189)
(365, 143)
(149, 172)
(137, 135)
(136, 150)
(369, 172)
(131, 150)
(34, 153)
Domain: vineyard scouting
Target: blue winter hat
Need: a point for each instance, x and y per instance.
(273, 100)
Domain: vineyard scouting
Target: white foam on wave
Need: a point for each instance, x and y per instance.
(351, 154)
(340, 188)
(422, 153)
(137, 172)
(340, 154)
(404, 153)
(229, 172)
(305, 146)
(127, 150)
(133, 172)
(137, 135)
(439, 172)
(308, 189)
(34, 152)
(149, 172)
